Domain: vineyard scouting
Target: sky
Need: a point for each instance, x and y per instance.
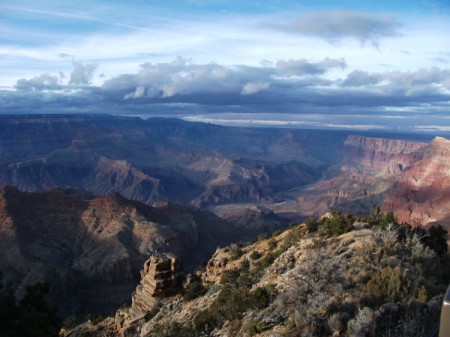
(349, 64)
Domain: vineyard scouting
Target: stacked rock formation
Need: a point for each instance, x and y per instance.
(160, 278)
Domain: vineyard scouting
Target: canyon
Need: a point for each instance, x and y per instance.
(293, 173)
(85, 200)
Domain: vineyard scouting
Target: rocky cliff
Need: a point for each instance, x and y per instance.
(421, 195)
(382, 155)
(91, 251)
(409, 178)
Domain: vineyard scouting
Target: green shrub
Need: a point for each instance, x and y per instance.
(387, 219)
(389, 285)
(376, 217)
(255, 255)
(312, 224)
(261, 297)
(254, 328)
(204, 321)
(337, 224)
(267, 260)
(193, 290)
(233, 300)
(271, 244)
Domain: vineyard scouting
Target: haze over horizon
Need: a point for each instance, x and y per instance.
(322, 64)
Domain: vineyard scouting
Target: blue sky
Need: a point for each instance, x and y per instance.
(314, 64)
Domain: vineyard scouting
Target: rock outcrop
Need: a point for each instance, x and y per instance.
(160, 278)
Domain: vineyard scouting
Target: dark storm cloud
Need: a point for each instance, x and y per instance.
(336, 25)
(292, 86)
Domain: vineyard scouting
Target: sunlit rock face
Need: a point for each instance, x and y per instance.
(422, 194)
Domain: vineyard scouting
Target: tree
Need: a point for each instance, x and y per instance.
(29, 316)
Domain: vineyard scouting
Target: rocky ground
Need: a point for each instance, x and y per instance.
(357, 279)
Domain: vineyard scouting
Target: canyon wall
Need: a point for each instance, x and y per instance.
(91, 251)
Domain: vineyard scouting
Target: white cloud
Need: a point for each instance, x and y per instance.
(138, 93)
(253, 88)
(82, 73)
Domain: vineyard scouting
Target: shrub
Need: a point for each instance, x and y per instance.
(362, 319)
(261, 297)
(172, 329)
(267, 260)
(262, 236)
(235, 252)
(255, 255)
(387, 219)
(276, 233)
(337, 224)
(389, 285)
(28, 317)
(254, 328)
(271, 244)
(436, 240)
(312, 224)
(193, 290)
(233, 300)
(204, 321)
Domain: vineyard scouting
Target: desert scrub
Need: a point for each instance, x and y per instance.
(336, 225)
(234, 299)
(389, 285)
(254, 328)
(235, 251)
(255, 255)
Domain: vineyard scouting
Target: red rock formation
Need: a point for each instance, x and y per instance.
(388, 155)
(422, 194)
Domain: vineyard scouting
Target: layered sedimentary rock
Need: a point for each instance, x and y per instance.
(409, 178)
(383, 155)
(160, 278)
(421, 195)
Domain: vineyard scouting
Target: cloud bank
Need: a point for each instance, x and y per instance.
(398, 100)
